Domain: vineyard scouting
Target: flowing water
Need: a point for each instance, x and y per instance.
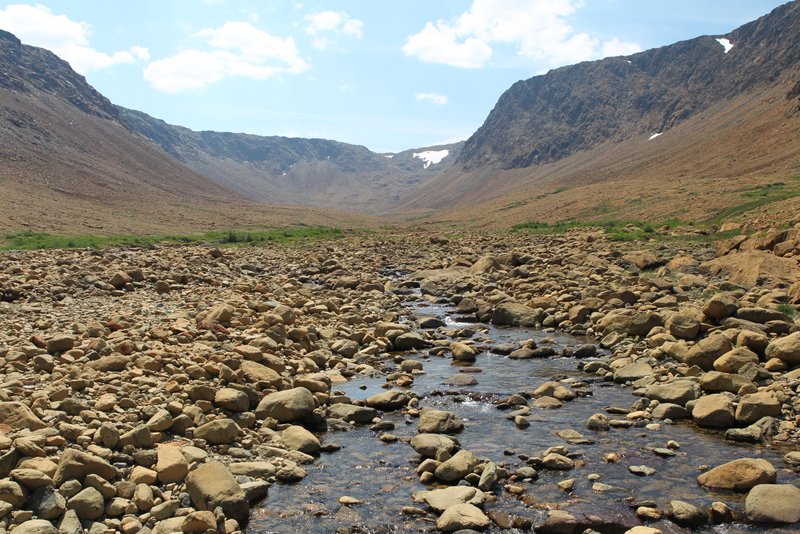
(383, 477)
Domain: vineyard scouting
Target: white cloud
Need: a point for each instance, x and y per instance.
(323, 24)
(69, 39)
(537, 28)
(434, 98)
(234, 49)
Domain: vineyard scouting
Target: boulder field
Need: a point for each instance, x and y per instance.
(166, 388)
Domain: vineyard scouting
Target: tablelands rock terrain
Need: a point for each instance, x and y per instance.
(166, 389)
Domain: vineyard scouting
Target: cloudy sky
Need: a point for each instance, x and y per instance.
(390, 75)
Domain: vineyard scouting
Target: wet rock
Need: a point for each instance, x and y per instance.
(297, 438)
(388, 400)
(463, 352)
(515, 314)
(558, 462)
(361, 415)
(457, 467)
(739, 475)
(212, 485)
(667, 410)
(773, 503)
(687, 515)
(410, 341)
(429, 445)
(462, 516)
(439, 422)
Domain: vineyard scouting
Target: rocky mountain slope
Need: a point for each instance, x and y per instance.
(589, 106)
(295, 170)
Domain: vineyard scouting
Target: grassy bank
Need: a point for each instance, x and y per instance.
(39, 240)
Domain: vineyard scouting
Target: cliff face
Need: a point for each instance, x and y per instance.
(27, 69)
(575, 108)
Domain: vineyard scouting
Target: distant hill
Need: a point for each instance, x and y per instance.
(287, 170)
(541, 124)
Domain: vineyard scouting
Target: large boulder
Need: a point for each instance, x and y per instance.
(684, 324)
(442, 499)
(218, 431)
(630, 322)
(754, 406)
(286, 406)
(632, 372)
(739, 475)
(256, 373)
(753, 268)
(19, 417)
(773, 503)
(786, 349)
(171, 464)
(388, 400)
(460, 465)
(516, 314)
(462, 517)
(439, 422)
(716, 381)
(720, 306)
(76, 464)
(360, 415)
(212, 485)
(706, 351)
(735, 359)
(676, 392)
(714, 411)
(297, 438)
(429, 445)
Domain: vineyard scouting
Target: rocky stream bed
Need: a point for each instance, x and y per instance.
(401, 383)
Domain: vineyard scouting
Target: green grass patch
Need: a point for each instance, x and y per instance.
(616, 230)
(40, 240)
(756, 197)
(789, 310)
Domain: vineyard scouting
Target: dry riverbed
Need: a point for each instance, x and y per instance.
(166, 389)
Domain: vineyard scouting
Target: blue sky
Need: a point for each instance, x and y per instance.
(387, 75)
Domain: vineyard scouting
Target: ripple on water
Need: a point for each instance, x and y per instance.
(382, 475)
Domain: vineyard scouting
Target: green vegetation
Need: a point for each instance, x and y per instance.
(757, 197)
(616, 230)
(789, 310)
(36, 240)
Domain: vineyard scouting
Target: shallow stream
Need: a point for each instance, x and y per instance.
(383, 477)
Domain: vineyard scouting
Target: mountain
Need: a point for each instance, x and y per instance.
(298, 171)
(593, 106)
